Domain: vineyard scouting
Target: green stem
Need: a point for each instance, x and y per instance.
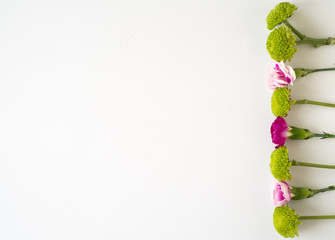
(323, 135)
(302, 72)
(306, 101)
(330, 188)
(316, 42)
(299, 34)
(321, 69)
(316, 217)
(304, 164)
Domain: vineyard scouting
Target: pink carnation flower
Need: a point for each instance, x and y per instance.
(281, 193)
(280, 75)
(279, 131)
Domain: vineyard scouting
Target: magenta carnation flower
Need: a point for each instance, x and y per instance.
(280, 75)
(281, 193)
(279, 131)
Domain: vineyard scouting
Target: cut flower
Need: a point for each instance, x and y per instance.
(281, 102)
(280, 131)
(283, 193)
(280, 164)
(286, 221)
(280, 44)
(281, 75)
(282, 39)
(281, 12)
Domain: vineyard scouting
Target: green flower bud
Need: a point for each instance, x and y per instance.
(286, 221)
(280, 44)
(281, 12)
(280, 164)
(280, 102)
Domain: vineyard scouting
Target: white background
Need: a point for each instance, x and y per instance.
(150, 120)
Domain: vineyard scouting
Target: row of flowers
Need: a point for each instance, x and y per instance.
(281, 45)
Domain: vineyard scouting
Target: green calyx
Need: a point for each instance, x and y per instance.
(302, 72)
(280, 44)
(286, 221)
(298, 193)
(281, 12)
(300, 133)
(280, 102)
(280, 164)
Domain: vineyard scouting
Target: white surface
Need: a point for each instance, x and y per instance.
(150, 119)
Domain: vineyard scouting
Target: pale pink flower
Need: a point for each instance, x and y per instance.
(281, 193)
(280, 75)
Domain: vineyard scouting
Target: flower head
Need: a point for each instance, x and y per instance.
(286, 221)
(281, 193)
(281, 12)
(280, 164)
(279, 131)
(280, 44)
(280, 75)
(280, 102)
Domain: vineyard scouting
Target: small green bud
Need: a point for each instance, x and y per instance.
(280, 44)
(280, 164)
(280, 102)
(286, 221)
(281, 12)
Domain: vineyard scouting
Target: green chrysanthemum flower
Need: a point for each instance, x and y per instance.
(280, 102)
(281, 12)
(286, 221)
(280, 164)
(280, 44)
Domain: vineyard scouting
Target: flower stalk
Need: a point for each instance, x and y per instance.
(315, 165)
(316, 217)
(316, 42)
(306, 101)
(302, 72)
(295, 31)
